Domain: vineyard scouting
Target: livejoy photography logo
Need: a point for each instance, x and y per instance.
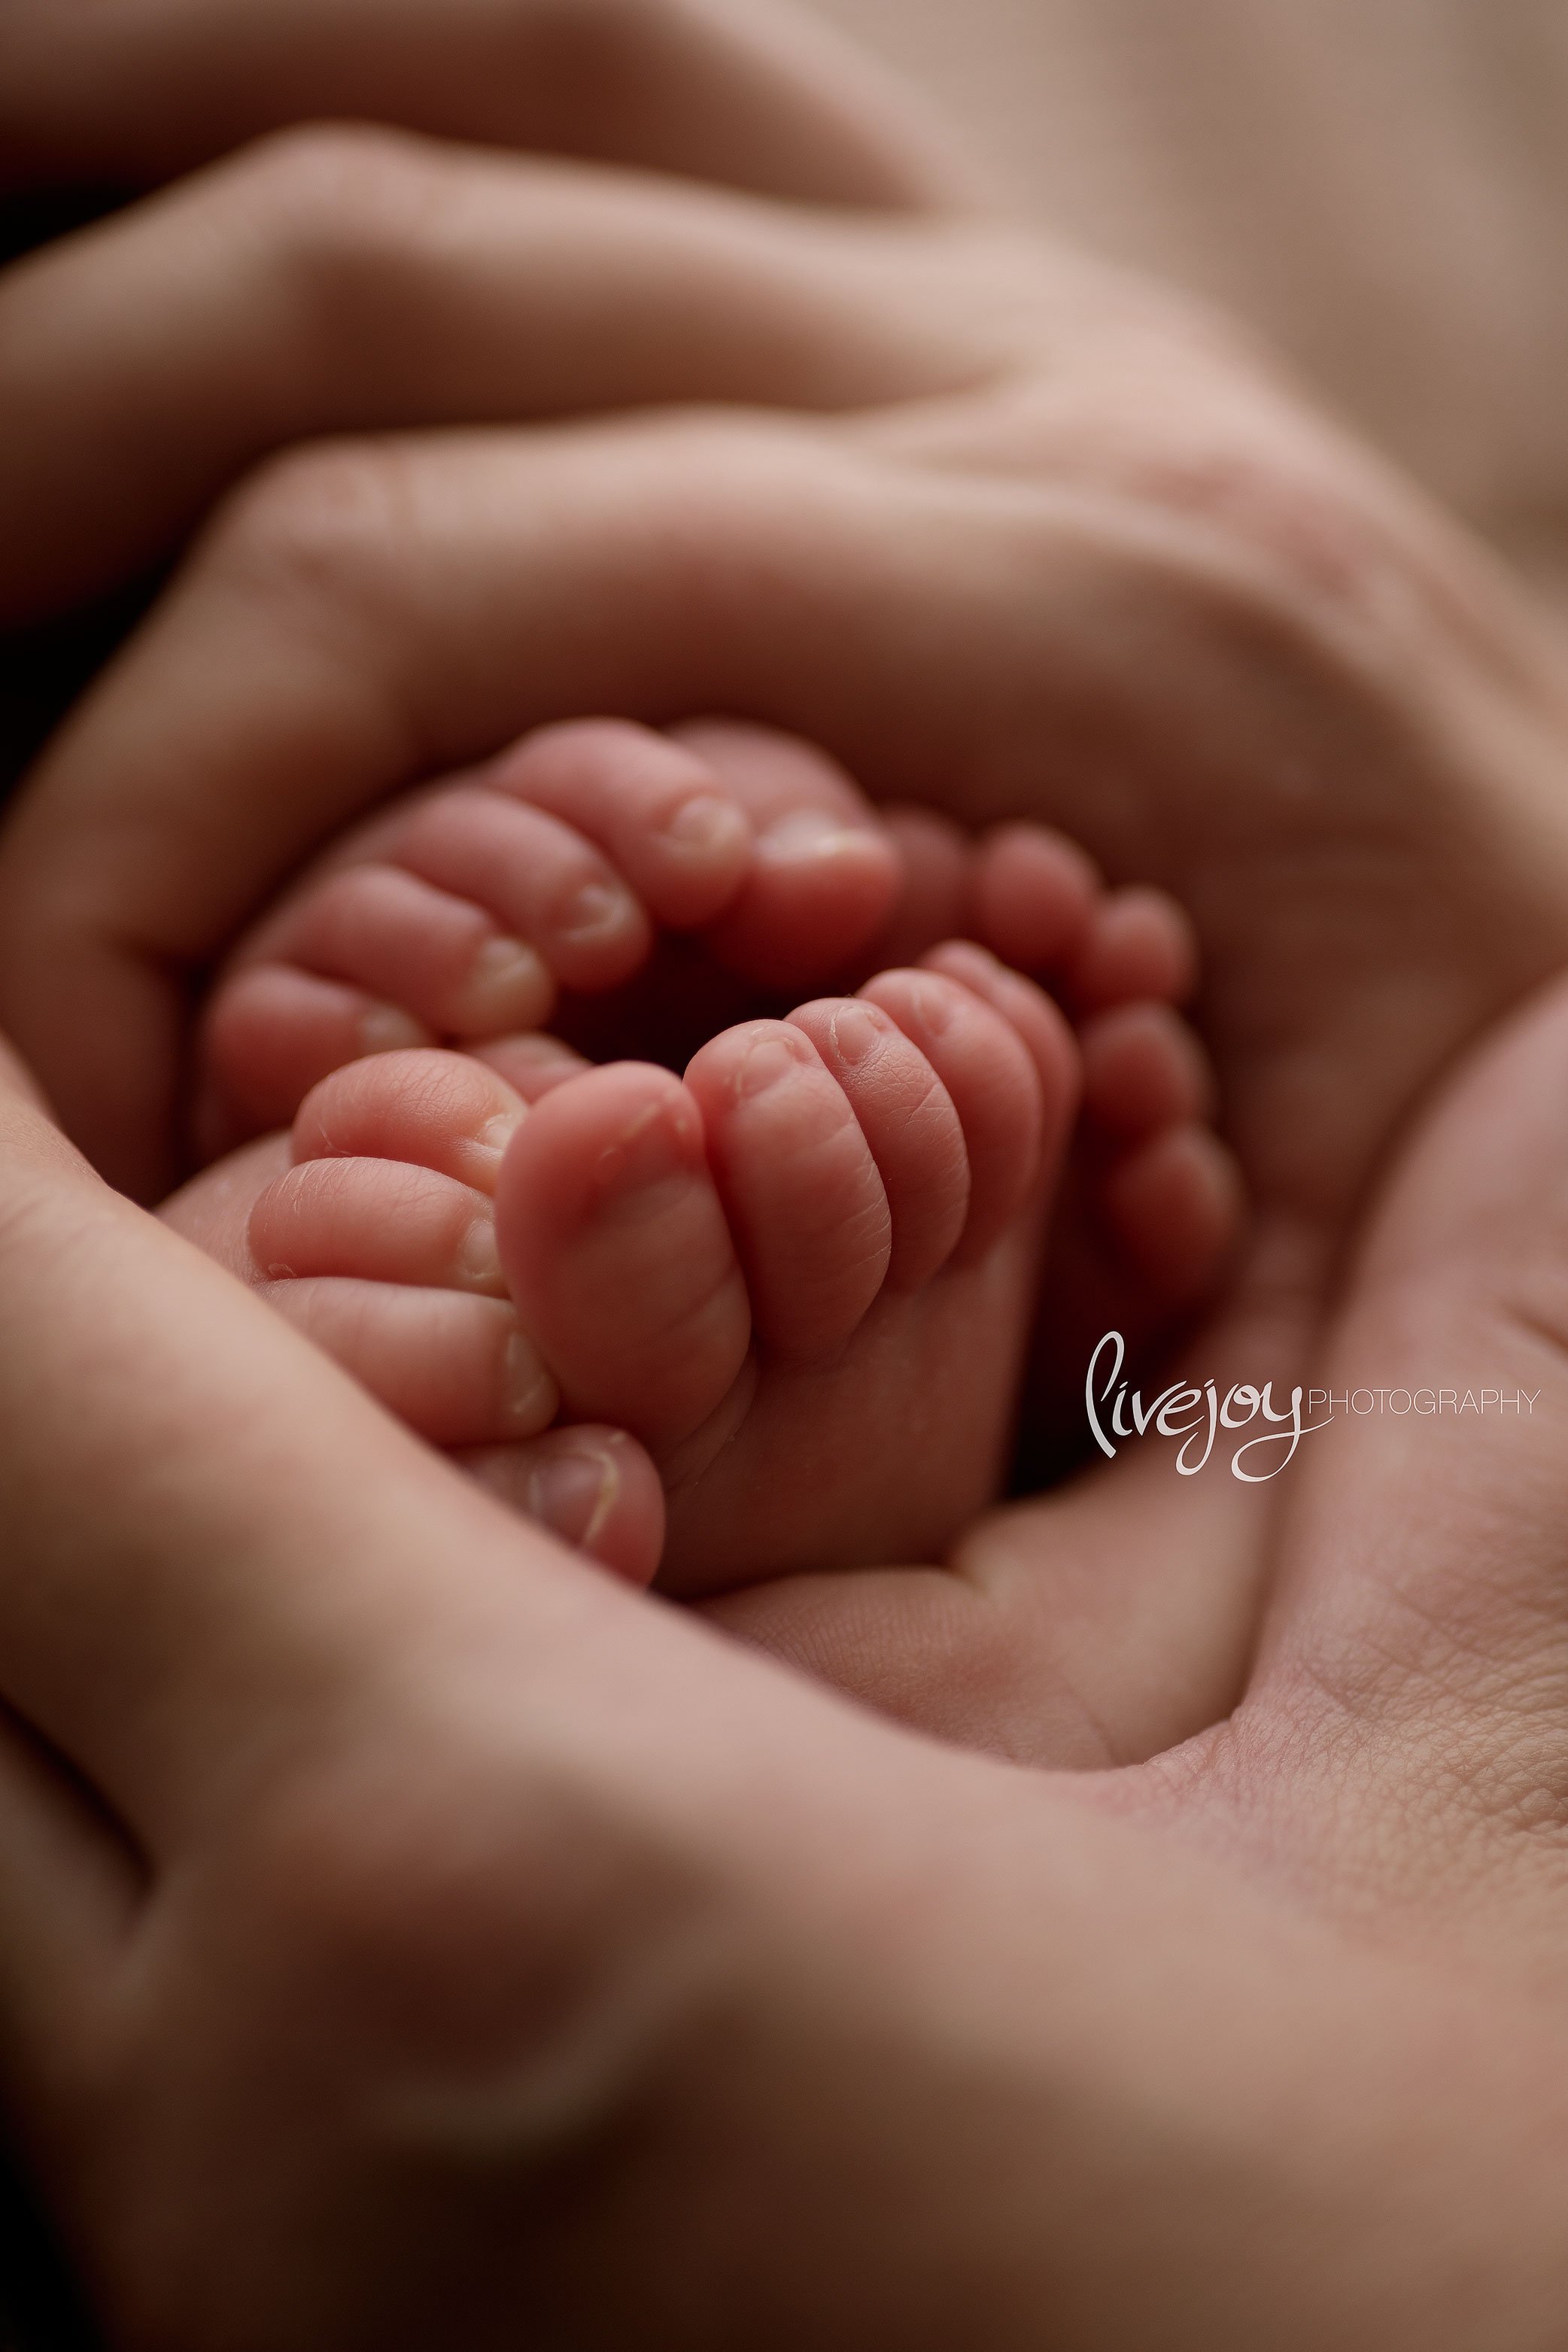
(1195, 1413)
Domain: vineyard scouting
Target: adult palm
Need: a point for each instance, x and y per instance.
(410, 1932)
(1009, 533)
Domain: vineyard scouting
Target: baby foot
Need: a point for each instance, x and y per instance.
(813, 1317)
(711, 869)
(1161, 1202)
(646, 831)
(1150, 1208)
(463, 914)
(370, 1228)
(803, 1277)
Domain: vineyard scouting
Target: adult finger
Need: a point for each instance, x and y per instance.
(345, 277)
(363, 616)
(744, 94)
(70, 1889)
(301, 671)
(183, 1482)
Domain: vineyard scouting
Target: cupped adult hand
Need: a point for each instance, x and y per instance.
(348, 233)
(1080, 554)
(1075, 547)
(315, 249)
(408, 1934)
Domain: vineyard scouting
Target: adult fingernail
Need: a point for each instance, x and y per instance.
(573, 1492)
(530, 1397)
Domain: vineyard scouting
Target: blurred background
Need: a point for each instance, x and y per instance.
(1381, 185)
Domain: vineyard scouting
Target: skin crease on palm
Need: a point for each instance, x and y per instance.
(922, 2003)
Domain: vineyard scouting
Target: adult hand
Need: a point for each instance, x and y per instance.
(369, 271)
(340, 275)
(733, 90)
(1064, 480)
(411, 1935)
(1119, 576)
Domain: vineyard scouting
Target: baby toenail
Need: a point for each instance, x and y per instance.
(773, 1055)
(490, 1140)
(932, 1004)
(573, 1494)
(809, 833)
(654, 1147)
(596, 908)
(384, 1030)
(477, 1260)
(507, 970)
(529, 1394)
(705, 823)
(856, 1032)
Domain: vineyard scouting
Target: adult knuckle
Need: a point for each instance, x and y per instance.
(326, 193)
(1227, 449)
(341, 221)
(422, 1890)
(1237, 453)
(320, 523)
(1291, 507)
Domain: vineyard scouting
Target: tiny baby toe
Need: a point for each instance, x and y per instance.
(446, 1112)
(819, 890)
(825, 874)
(1026, 1006)
(991, 1077)
(1142, 944)
(805, 1201)
(1144, 1069)
(532, 1066)
(378, 1221)
(660, 813)
(539, 881)
(1176, 1206)
(618, 1254)
(404, 942)
(935, 858)
(457, 1369)
(1034, 896)
(271, 1033)
(594, 1487)
(911, 1127)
